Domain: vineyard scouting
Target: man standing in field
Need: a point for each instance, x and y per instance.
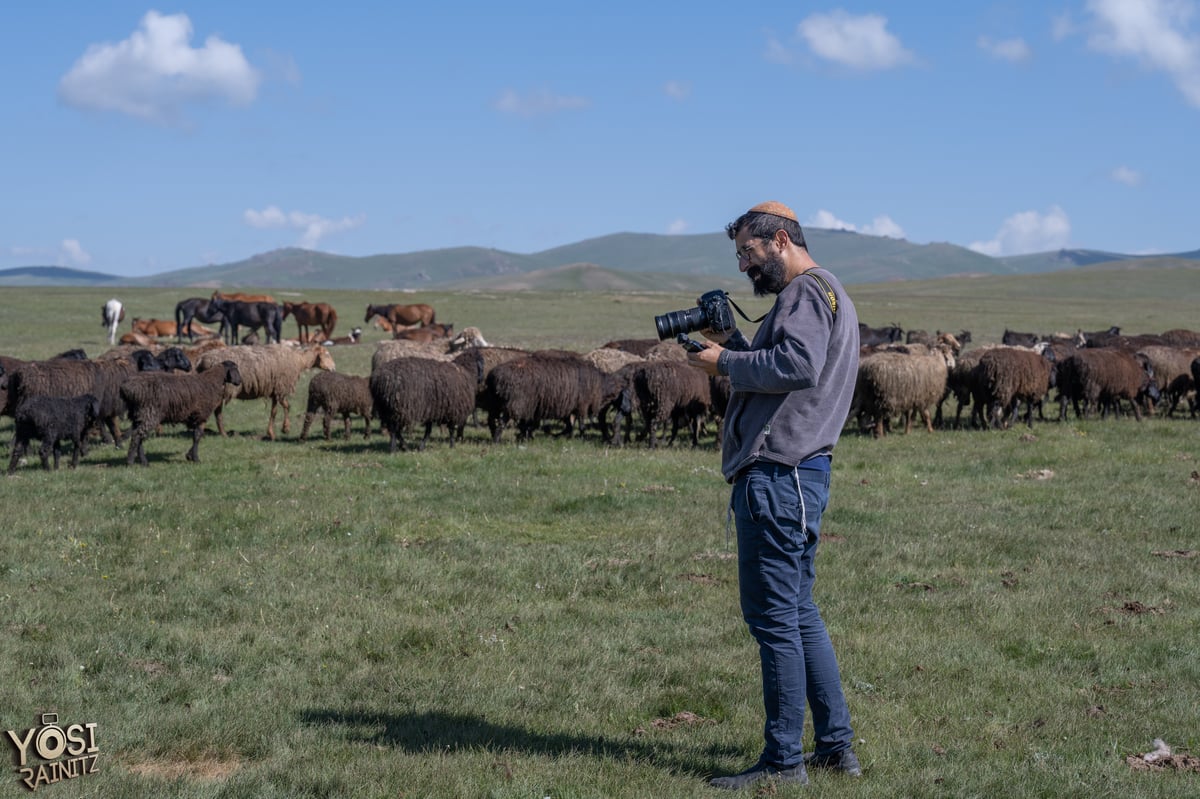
(791, 392)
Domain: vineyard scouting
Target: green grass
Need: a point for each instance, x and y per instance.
(325, 619)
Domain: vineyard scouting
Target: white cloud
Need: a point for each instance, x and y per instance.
(1155, 32)
(678, 227)
(71, 252)
(884, 226)
(1028, 232)
(1123, 174)
(537, 103)
(155, 72)
(312, 227)
(860, 42)
(677, 90)
(1014, 50)
(826, 219)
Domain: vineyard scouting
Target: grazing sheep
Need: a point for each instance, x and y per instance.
(667, 390)
(336, 394)
(1180, 337)
(158, 398)
(410, 391)
(610, 359)
(906, 381)
(390, 349)
(1172, 368)
(1107, 376)
(71, 377)
(480, 361)
(1006, 376)
(52, 419)
(538, 387)
(469, 337)
(635, 346)
(269, 372)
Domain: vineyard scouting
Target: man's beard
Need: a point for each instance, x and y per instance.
(770, 277)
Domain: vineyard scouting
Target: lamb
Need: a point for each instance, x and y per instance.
(1006, 376)
(52, 419)
(269, 371)
(541, 386)
(409, 391)
(675, 391)
(904, 382)
(335, 393)
(157, 398)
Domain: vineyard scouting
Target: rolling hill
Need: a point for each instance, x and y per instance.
(622, 261)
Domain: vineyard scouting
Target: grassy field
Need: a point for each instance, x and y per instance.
(1015, 611)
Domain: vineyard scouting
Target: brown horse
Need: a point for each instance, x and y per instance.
(217, 295)
(426, 334)
(312, 314)
(402, 315)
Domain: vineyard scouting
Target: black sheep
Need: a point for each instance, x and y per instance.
(52, 419)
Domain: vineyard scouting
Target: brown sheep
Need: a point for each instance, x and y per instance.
(1005, 377)
(336, 394)
(409, 391)
(157, 398)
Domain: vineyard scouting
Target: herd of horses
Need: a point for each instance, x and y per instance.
(235, 313)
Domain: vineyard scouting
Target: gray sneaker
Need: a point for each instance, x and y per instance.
(844, 762)
(762, 772)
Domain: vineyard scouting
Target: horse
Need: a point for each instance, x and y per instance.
(403, 315)
(111, 315)
(426, 334)
(194, 308)
(310, 314)
(250, 314)
(217, 295)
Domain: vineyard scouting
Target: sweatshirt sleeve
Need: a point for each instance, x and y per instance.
(793, 354)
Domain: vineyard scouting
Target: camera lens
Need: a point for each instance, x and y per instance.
(671, 324)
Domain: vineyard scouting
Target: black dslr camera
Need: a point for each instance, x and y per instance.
(711, 313)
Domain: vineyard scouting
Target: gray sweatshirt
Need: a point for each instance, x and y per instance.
(791, 390)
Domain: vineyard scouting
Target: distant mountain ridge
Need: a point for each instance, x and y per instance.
(621, 261)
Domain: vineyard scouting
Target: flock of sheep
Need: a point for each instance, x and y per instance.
(1103, 373)
(419, 382)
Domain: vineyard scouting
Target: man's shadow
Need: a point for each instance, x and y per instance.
(434, 731)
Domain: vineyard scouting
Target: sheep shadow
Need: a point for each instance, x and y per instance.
(435, 731)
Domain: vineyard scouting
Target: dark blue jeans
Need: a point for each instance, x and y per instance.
(778, 512)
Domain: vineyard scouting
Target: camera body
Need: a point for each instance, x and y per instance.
(712, 312)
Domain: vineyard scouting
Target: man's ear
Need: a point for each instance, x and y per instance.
(781, 238)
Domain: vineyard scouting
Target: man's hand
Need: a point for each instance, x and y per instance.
(706, 359)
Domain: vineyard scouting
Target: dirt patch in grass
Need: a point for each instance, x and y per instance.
(206, 769)
(1164, 759)
(684, 718)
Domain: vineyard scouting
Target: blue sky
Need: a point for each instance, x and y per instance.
(140, 139)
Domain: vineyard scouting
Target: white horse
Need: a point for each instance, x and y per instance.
(111, 315)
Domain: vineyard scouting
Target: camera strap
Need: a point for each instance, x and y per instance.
(827, 290)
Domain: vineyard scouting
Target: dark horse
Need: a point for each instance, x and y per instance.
(312, 314)
(249, 314)
(194, 308)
